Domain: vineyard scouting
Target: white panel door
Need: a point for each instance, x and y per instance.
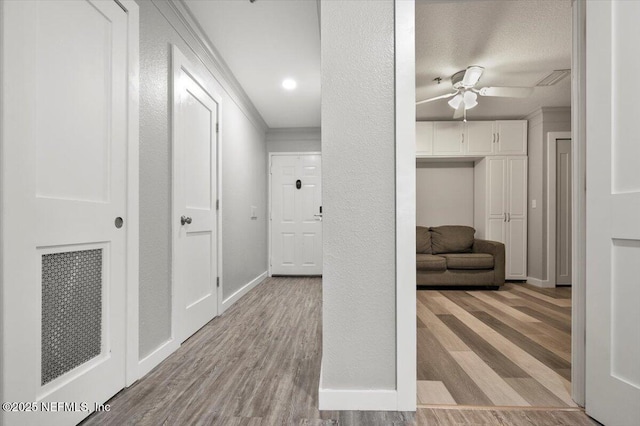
(516, 255)
(613, 213)
(480, 138)
(64, 202)
(194, 218)
(563, 212)
(511, 137)
(448, 138)
(496, 198)
(296, 215)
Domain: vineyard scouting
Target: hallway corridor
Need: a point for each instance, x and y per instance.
(257, 364)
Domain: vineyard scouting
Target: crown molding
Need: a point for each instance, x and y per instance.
(182, 20)
(294, 134)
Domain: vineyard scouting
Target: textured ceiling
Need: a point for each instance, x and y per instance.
(263, 43)
(518, 43)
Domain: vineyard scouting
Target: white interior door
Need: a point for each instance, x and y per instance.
(563, 211)
(613, 213)
(516, 255)
(64, 202)
(195, 118)
(497, 199)
(296, 216)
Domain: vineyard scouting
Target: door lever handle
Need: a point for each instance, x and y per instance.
(185, 219)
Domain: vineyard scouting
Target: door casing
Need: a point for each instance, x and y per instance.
(179, 61)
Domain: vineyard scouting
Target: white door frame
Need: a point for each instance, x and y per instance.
(180, 62)
(132, 194)
(405, 204)
(133, 191)
(578, 202)
(405, 135)
(270, 157)
(552, 139)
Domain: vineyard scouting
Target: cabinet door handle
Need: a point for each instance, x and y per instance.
(463, 138)
(497, 137)
(505, 218)
(508, 217)
(494, 138)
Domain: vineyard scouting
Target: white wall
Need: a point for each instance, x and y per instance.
(541, 122)
(243, 177)
(304, 139)
(358, 154)
(444, 194)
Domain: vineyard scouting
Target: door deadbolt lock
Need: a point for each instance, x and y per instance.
(298, 184)
(118, 222)
(185, 219)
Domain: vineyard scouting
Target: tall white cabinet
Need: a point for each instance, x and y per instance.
(500, 208)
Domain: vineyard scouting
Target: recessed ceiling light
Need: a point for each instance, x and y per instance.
(289, 83)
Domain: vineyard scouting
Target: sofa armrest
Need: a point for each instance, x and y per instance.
(496, 249)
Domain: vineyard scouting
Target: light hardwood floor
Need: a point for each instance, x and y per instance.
(259, 364)
(510, 347)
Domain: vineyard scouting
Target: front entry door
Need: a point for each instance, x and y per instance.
(296, 215)
(64, 201)
(195, 237)
(612, 387)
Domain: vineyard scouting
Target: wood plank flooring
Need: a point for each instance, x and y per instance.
(259, 364)
(510, 347)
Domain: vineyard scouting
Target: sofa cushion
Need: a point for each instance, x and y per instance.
(452, 239)
(423, 240)
(429, 262)
(469, 260)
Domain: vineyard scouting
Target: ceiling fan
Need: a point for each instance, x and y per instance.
(465, 95)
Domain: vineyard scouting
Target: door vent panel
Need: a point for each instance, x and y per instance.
(71, 311)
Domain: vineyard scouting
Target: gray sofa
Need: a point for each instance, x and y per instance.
(451, 256)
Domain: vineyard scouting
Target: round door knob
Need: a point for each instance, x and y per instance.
(185, 219)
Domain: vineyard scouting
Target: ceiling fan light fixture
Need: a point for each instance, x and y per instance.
(470, 99)
(472, 75)
(455, 101)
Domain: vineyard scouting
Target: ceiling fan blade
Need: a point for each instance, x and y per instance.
(472, 75)
(506, 92)
(459, 111)
(448, 95)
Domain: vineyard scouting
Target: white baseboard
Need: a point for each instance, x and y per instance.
(359, 400)
(540, 283)
(148, 363)
(242, 291)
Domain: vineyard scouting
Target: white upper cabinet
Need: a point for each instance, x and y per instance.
(448, 138)
(511, 137)
(479, 138)
(473, 138)
(424, 138)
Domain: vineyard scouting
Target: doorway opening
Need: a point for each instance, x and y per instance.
(493, 328)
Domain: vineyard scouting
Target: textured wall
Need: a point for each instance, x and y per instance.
(243, 178)
(540, 124)
(358, 146)
(444, 194)
(294, 140)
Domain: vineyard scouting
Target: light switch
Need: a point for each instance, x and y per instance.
(254, 212)
(533, 204)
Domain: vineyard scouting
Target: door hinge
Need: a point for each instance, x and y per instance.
(217, 281)
(217, 204)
